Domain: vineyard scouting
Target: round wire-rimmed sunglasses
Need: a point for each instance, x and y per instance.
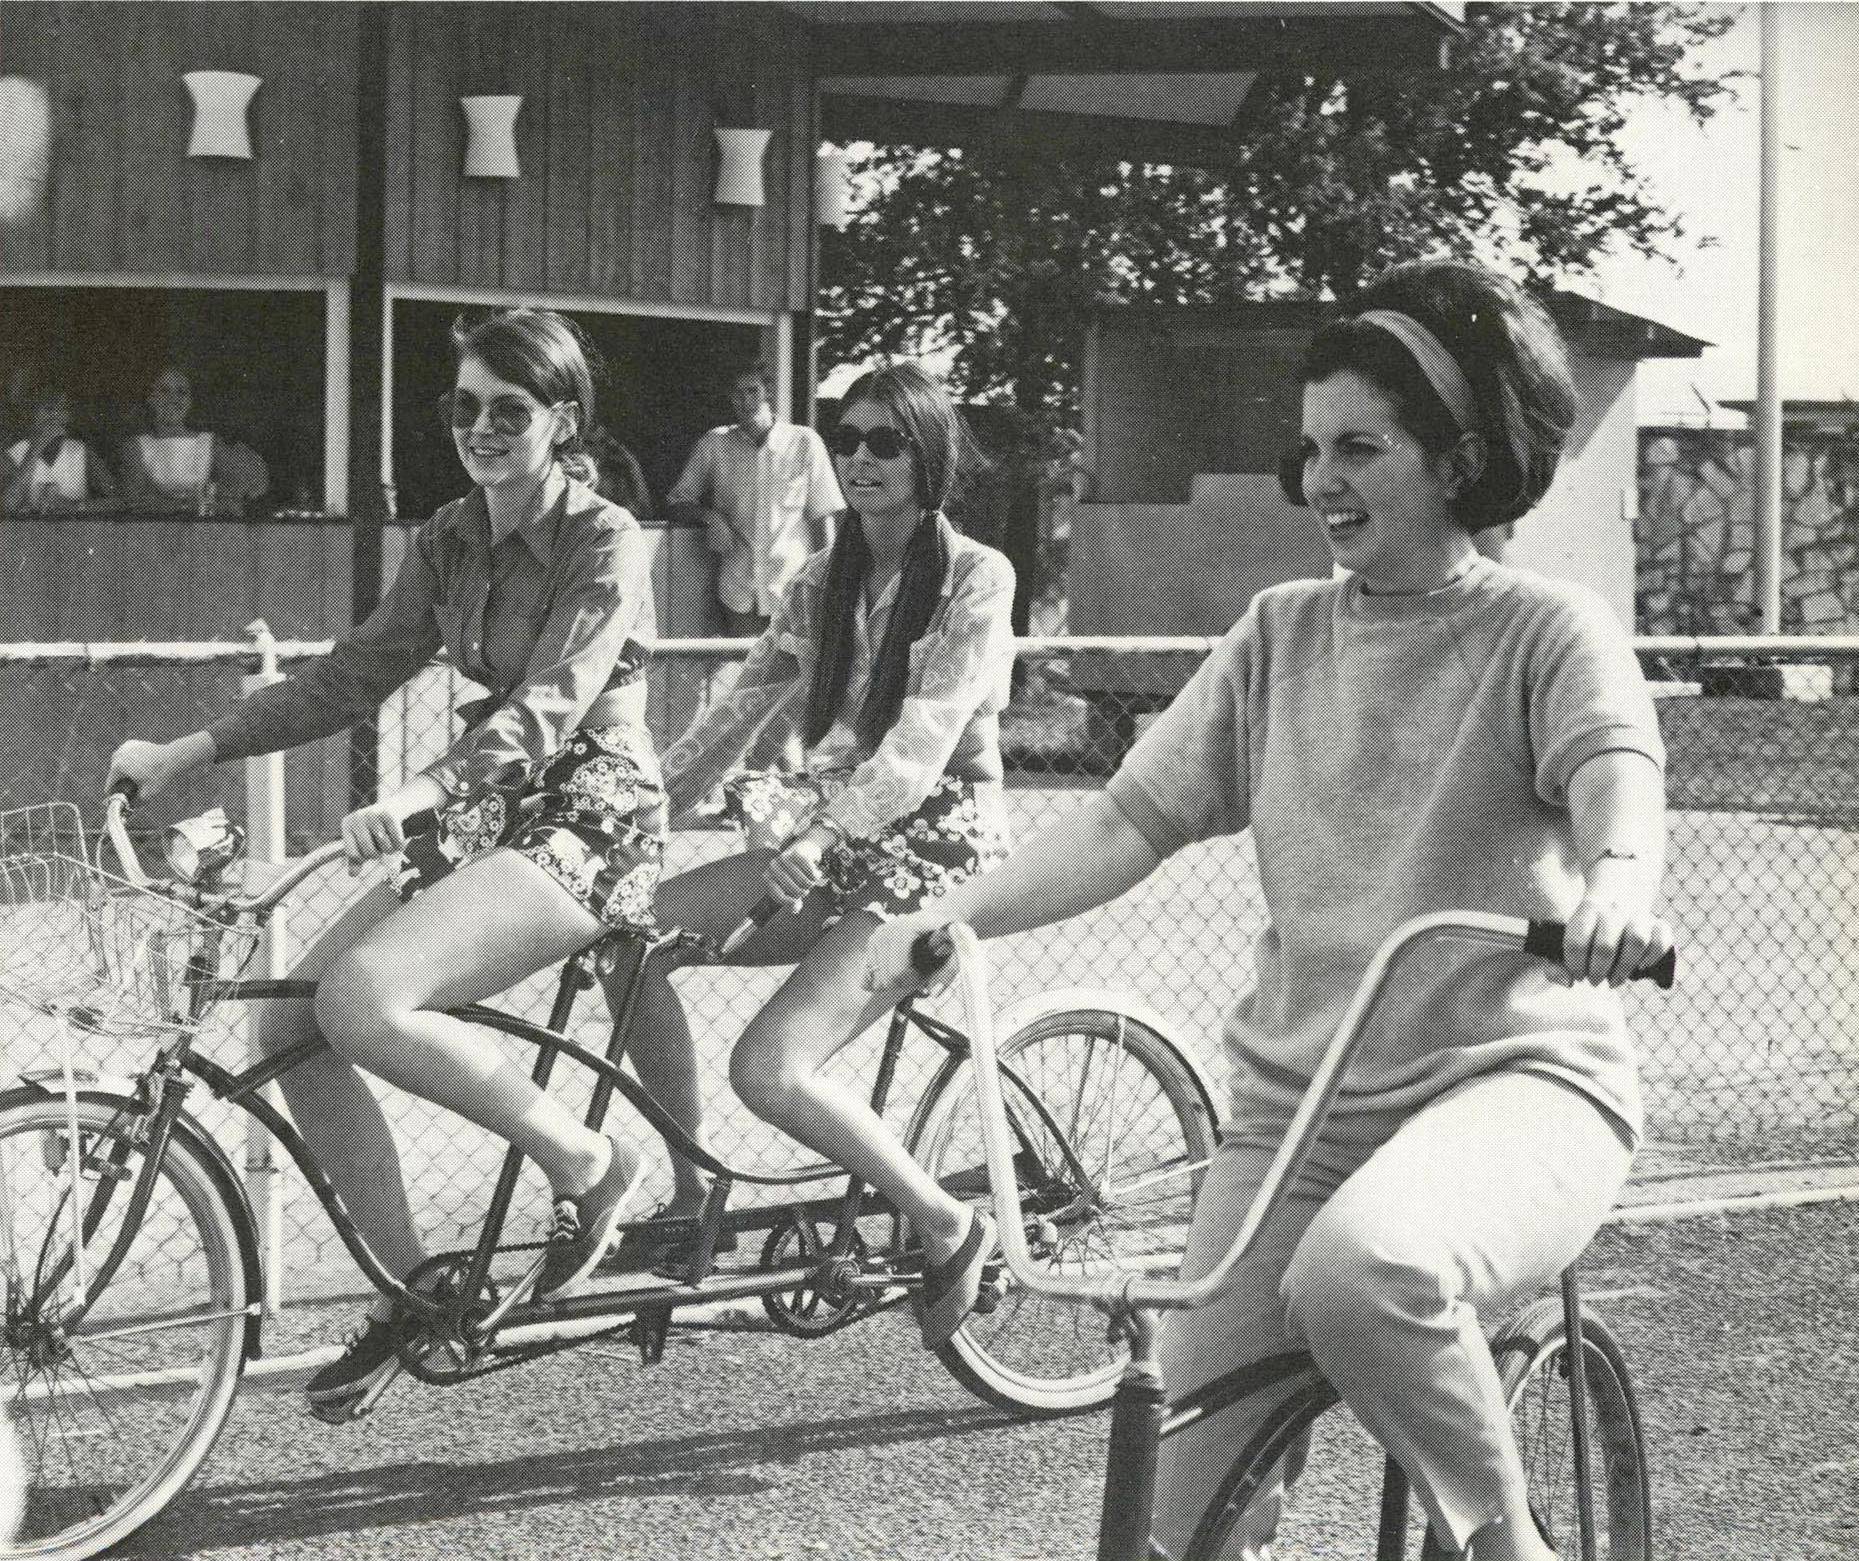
(510, 416)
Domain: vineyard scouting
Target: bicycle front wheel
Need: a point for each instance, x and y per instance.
(1111, 1135)
(1532, 1356)
(114, 1415)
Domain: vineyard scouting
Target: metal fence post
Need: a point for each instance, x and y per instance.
(265, 841)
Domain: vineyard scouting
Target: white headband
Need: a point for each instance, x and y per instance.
(1436, 363)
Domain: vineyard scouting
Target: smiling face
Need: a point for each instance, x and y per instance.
(883, 491)
(492, 457)
(1386, 503)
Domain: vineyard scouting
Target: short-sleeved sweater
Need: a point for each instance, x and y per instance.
(1394, 756)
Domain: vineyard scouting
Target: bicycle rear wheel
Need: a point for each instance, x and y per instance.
(111, 1420)
(1112, 1134)
(1533, 1364)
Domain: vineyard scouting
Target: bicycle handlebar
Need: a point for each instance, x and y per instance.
(121, 801)
(1124, 1292)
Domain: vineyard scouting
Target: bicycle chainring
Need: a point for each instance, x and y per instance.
(825, 1304)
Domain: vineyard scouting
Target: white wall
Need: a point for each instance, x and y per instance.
(1583, 529)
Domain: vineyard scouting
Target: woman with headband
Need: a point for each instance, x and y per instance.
(1430, 731)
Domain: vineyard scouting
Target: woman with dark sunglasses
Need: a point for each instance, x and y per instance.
(892, 651)
(550, 816)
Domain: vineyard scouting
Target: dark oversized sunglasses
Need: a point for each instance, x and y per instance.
(510, 415)
(884, 443)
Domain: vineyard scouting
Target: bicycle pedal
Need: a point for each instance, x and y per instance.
(993, 1289)
(347, 1411)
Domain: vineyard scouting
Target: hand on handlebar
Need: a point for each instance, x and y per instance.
(370, 833)
(147, 769)
(1609, 943)
(899, 951)
(796, 871)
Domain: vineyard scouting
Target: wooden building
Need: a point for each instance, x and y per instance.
(285, 199)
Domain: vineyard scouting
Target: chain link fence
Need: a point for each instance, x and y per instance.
(1754, 1059)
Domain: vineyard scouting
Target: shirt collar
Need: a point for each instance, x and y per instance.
(537, 527)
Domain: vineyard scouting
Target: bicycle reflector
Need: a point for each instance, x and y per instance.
(199, 850)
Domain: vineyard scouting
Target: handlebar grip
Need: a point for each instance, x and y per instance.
(423, 822)
(930, 951)
(1545, 939)
(125, 788)
(759, 916)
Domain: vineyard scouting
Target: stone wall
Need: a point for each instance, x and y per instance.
(1695, 535)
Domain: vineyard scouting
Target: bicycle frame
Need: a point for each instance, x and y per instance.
(1139, 1418)
(245, 1088)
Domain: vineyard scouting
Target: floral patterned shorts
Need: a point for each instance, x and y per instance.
(593, 817)
(957, 832)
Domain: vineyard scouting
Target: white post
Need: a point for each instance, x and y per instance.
(264, 823)
(1766, 497)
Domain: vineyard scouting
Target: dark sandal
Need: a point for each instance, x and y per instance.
(951, 1287)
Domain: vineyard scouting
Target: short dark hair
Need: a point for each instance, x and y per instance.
(1511, 354)
(544, 352)
(757, 369)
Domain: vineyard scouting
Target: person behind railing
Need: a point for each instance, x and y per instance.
(893, 647)
(1433, 731)
(173, 466)
(550, 812)
(51, 468)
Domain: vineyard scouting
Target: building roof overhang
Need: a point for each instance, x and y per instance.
(1150, 80)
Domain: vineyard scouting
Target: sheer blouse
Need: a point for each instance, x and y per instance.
(949, 723)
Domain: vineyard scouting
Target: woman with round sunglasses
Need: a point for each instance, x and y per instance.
(1431, 731)
(550, 816)
(892, 651)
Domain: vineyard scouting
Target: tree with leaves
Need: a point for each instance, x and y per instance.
(1513, 154)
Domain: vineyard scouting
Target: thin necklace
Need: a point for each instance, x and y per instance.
(1439, 590)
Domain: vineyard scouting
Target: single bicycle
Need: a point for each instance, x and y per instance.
(1563, 1371)
(129, 1250)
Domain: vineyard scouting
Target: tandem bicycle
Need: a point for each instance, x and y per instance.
(129, 1251)
(1563, 1372)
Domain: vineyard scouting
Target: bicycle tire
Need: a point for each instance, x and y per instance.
(1033, 1356)
(1531, 1353)
(107, 1428)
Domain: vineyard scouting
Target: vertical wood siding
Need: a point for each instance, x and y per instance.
(614, 139)
(123, 194)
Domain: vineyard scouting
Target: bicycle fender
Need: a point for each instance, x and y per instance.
(50, 1083)
(1016, 1015)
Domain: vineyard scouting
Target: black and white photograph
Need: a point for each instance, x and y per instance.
(882, 780)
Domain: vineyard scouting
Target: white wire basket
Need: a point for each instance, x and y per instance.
(94, 950)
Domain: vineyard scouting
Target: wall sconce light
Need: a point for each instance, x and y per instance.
(739, 166)
(832, 187)
(220, 101)
(490, 137)
(25, 145)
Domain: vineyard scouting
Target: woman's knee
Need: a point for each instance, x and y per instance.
(1346, 1282)
(765, 1074)
(357, 1000)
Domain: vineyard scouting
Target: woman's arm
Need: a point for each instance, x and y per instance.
(964, 661)
(1617, 810)
(715, 741)
(1087, 859)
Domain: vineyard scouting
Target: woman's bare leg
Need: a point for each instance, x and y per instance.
(711, 899)
(335, 1110)
(778, 1070)
(473, 934)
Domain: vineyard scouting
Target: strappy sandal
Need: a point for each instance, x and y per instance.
(951, 1287)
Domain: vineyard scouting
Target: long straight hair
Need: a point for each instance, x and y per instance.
(920, 407)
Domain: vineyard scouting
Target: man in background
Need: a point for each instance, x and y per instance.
(766, 495)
